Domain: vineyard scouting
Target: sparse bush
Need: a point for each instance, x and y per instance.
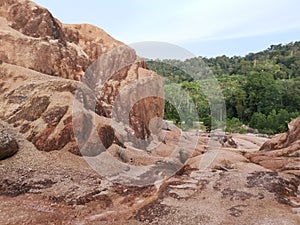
(234, 125)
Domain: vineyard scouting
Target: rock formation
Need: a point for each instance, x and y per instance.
(288, 139)
(35, 48)
(32, 38)
(74, 89)
(281, 153)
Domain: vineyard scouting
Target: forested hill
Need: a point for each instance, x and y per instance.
(260, 89)
(282, 61)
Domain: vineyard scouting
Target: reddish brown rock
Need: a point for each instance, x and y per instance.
(281, 153)
(30, 19)
(41, 108)
(93, 40)
(284, 140)
(31, 38)
(118, 101)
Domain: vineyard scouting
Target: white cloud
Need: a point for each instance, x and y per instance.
(214, 19)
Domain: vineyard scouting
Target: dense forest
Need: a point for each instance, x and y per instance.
(261, 90)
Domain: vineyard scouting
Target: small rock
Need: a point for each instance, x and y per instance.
(227, 141)
(168, 125)
(8, 145)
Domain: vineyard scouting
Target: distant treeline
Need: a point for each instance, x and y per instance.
(261, 90)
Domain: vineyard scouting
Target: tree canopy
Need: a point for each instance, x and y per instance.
(261, 89)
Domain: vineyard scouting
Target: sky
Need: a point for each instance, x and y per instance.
(205, 28)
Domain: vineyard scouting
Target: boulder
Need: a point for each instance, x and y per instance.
(249, 129)
(8, 145)
(284, 140)
(281, 153)
(228, 141)
(168, 125)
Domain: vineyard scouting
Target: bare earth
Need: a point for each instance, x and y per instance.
(61, 188)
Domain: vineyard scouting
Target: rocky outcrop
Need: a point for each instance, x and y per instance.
(118, 84)
(280, 141)
(92, 40)
(30, 19)
(126, 91)
(40, 107)
(281, 153)
(59, 186)
(8, 145)
(32, 38)
(73, 88)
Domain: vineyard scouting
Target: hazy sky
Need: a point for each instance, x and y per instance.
(204, 27)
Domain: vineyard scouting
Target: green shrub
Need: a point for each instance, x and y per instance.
(234, 125)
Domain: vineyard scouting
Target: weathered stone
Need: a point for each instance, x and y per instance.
(97, 115)
(30, 19)
(45, 142)
(53, 116)
(43, 44)
(120, 85)
(271, 181)
(8, 145)
(33, 110)
(168, 125)
(228, 141)
(286, 139)
(93, 40)
(281, 153)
